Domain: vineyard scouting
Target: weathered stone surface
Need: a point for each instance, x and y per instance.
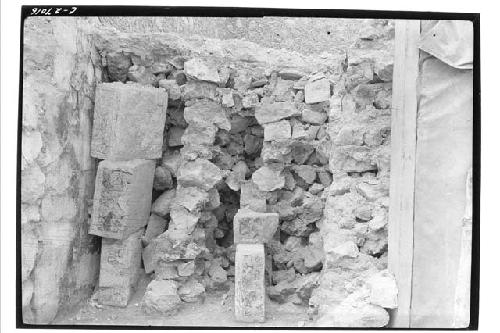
(191, 198)
(252, 198)
(383, 290)
(358, 315)
(162, 179)
(161, 206)
(290, 74)
(122, 199)
(172, 88)
(313, 117)
(277, 131)
(118, 64)
(253, 144)
(161, 296)
(249, 294)
(198, 89)
(237, 175)
(156, 226)
(268, 179)
(142, 75)
(199, 173)
(120, 268)
(175, 135)
(201, 70)
(192, 291)
(254, 227)
(306, 172)
(32, 184)
(272, 112)
(206, 112)
(31, 145)
(128, 121)
(317, 91)
(182, 223)
(172, 160)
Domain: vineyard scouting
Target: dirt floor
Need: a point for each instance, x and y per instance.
(216, 311)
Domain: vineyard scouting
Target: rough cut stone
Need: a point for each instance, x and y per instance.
(175, 136)
(252, 198)
(271, 112)
(249, 294)
(142, 75)
(313, 117)
(206, 112)
(198, 89)
(199, 173)
(317, 91)
(120, 268)
(254, 227)
(161, 296)
(191, 198)
(156, 226)
(280, 130)
(268, 179)
(163, 203)
(162, 179)
(172, 88)
(118, 64)
(192, 291)
(383, 290)
(199, 135)
(201, 70)
(290, 74)
(122, 199)
(128, 121)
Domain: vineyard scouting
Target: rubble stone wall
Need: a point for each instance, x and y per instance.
(60, 260)
(249, 130)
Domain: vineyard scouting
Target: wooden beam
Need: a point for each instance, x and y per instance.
(402, 181)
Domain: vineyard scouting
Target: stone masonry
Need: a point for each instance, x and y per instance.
(127, 133)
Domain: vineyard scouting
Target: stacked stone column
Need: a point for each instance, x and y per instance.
(128, 135)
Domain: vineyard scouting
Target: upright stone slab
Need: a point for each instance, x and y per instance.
(122, 199)
(254, 227)
(120, 269)
(249, 293)
(128, 121)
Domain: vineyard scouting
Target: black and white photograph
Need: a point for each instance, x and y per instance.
(222, 167)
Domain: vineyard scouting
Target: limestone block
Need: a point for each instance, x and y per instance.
(252, 198)
(199, 173)
(268, 178)
(198, 89)
(120, 269)
(313, 117)
(254, 227)
(205, 112)
(249, 293)
(128, 121)
(280, 130)
(201, 70)
(317, 91)
(191, 198)
(122, 199)
(271, 112)
(199, 135)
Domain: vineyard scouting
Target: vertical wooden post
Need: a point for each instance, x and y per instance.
(402, 181)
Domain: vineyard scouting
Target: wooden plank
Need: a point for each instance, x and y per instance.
(403, 147)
